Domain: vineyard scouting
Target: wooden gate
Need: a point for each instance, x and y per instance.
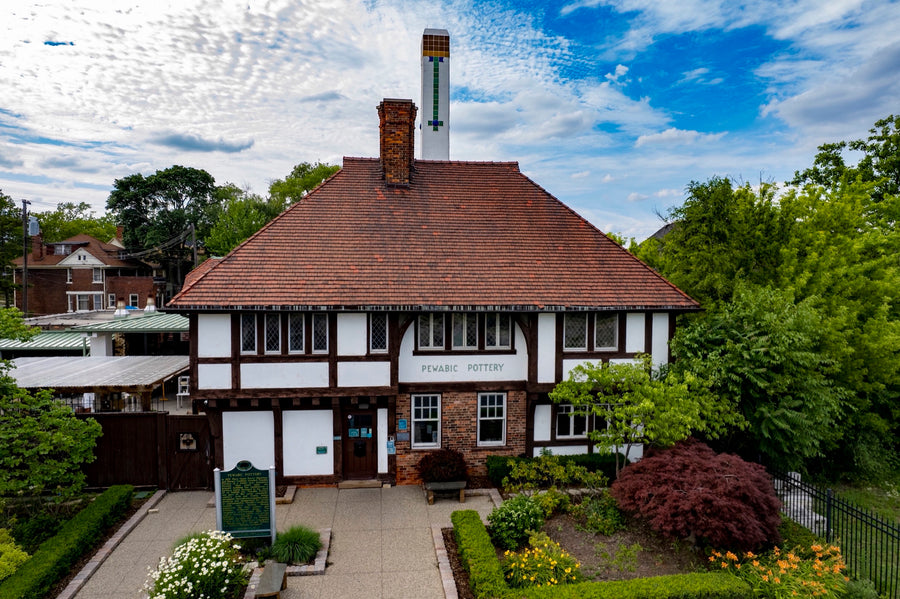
(152, 449)
(189, 450)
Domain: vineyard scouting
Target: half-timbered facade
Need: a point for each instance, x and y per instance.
(407, 305)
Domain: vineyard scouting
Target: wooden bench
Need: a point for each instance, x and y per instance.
(272, 581)
(443, 487)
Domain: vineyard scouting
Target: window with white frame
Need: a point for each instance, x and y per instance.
(98, 275)
(296, 333)
(497, 331)
(248, 333)
(491, 418)
(378, 332)
(575, 331)
(68, 275)
(570, 422)
(111, 300)
(426, 420)
(320, 333)
(431, 331)
(133, 300)
(273, 333)
(84, 303)
(98, 301)
(606, 332)
(465, 330)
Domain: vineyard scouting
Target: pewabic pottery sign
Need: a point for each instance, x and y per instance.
(245, 501)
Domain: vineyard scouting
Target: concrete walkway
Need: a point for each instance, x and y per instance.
(383, 542)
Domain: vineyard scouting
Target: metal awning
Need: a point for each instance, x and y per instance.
(49, 341)
(150, 323)
(133, 374)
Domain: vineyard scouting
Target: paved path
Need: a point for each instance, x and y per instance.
(382, 543)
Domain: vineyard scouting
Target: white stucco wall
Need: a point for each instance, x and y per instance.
(248, 436)
(424, 368)
(546, 358)
(214, 376)
(351, 334)
(302, 432)
(635, 323)
(364, 374)
(542, 422)
(284, 375)
(213, 335)
(381, 441)
(562, 450)
(660, 345)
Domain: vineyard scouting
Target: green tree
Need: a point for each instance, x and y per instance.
(158, 211)
(70, 219)
(303, 178)
(44, 444)
(242, 215)
(10, 244)
(764, 355)
(880, 162)
(640, 405)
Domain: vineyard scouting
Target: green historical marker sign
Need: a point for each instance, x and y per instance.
(245, 501)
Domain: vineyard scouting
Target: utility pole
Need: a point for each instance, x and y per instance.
(25, 204)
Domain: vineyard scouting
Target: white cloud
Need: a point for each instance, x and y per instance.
(580, 174)
(676, 137)
(637, 197)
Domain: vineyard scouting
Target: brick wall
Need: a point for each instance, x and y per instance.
(397, 124)
(459, 428)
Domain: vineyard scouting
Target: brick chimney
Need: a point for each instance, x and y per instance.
(37, 247)
(397, 122)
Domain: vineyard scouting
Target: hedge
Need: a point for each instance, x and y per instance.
(498, 465)
(56, 556)
(486, 575)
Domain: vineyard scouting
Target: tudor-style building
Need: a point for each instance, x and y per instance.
(406, 305)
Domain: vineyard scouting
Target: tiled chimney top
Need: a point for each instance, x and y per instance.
(397, 122)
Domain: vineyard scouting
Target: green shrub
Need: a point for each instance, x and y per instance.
(56, 556)
(11, 555)
(486, 577)
(442, 465)
(550, 471)
(552, 501)
(36, 528)
(498, 467)
(477, 554)
(543, 563)
(599, 514)
(296, 545)
(513, 519)
(206, 565)
(860, 589)
(793, 534)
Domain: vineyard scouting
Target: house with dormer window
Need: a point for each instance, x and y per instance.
(82, 274)
(407, 305)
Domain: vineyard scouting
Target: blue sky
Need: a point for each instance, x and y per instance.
(613, 106)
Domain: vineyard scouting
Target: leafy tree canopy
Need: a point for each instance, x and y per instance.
(880, 162)
(12, 326)
(242, 215)
(158, 210)
(10, 244)
(70, 219)
(640, 405)
(303, 178)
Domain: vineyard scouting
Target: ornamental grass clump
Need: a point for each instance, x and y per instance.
(543, 563)
(814, 571)
(296, 545)
(207, 566)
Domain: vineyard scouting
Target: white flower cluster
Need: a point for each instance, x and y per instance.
(206, 566)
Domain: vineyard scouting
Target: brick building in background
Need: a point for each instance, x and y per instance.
(81, 274)
(406, 305)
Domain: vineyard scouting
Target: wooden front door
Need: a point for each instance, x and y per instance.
(359, 445)
(189, 450)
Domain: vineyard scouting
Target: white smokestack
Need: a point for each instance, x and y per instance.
(436, 94)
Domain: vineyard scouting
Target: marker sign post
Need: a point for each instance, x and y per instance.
(245, 501)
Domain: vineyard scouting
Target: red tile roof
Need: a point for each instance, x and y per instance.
(461, 235)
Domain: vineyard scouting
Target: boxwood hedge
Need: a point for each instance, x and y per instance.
(56, 556)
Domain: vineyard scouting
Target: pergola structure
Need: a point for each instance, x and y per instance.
(136, 375)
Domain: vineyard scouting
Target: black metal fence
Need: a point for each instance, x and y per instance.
(869, 543)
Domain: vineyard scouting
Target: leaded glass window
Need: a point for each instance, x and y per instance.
(575, 331)
(248, 333)
(320, 333)
(378, 332)
(296, 337)
(273, 333)
(465, 331)
(606, 332)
